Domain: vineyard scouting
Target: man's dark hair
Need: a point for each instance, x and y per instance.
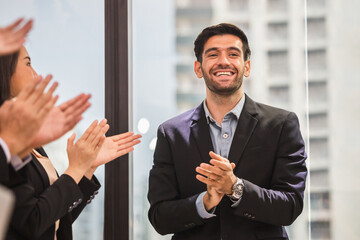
(220, 29)
(7, 69)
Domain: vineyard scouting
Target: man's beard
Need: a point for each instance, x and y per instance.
(223, 91)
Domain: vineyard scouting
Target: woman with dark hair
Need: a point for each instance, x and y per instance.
(48, 204)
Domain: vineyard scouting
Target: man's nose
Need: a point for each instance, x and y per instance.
(223, 60)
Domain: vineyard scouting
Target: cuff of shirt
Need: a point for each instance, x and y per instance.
(6, 150)
(19, 163)
(201, 208)
(235, 203)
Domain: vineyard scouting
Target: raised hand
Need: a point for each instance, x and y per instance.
(21, 118)
(12, 37)
(83, 153)
(62, 119)
(116, 146)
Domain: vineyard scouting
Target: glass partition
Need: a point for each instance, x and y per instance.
(164, 83)
(305, 57)
(67, 41)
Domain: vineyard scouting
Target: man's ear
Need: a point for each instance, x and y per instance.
(247, 68)
(197, 69)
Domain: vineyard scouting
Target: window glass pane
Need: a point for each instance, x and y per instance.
(170, 28)
(67, 40)
(333, 54)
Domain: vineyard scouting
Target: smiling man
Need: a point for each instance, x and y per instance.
(231, 168)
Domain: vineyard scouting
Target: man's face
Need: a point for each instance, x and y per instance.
(223, 66)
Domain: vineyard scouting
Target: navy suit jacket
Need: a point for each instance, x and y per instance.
(269, 154)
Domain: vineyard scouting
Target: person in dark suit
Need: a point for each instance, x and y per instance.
(47, 204)
(231, 168)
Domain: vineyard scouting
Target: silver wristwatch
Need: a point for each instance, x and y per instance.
(237, 190)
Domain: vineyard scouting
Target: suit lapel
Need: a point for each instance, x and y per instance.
(244, 130)
(40, 169)
(200, 131)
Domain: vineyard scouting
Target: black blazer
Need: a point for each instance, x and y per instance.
(39, 205)
(4, 167)
(269, 154)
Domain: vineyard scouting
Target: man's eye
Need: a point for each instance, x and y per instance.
(28, 64)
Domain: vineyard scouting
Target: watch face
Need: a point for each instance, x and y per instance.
(238, 190)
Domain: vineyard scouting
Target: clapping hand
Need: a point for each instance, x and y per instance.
(12, 37)
(62, 119)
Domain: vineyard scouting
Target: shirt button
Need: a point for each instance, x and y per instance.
(225, 135)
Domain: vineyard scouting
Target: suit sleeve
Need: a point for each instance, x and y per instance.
(168, 213)
(282, 203)
(89, 189)
(34, 215)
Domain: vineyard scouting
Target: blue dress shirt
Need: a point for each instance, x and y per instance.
(221, 137)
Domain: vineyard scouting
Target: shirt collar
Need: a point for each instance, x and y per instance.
(236, 111)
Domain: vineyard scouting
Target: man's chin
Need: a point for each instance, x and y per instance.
(224, 91)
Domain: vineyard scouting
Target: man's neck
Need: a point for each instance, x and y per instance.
(219, 105)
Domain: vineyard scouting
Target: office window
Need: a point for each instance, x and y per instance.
(278, 31)
(317, 93)
(279, 95)
(318, 121)
(320, 178)
(319, 201)
(319, 148)
(277, 5)
(278, 63)
(238, 5)
(316, 28)
(320, 230)
(317, 60)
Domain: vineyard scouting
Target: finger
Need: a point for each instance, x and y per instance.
(40, 89)
(225, 166)
(23, 31)
(129, 144)
(75, 102)
(207, 173)
(94, 136)
(233, 165)
(128, 139)
(47, 97)
(121, 136)
(45, 110)
(74, 109)
(215, 156)
(29, 89)
(124, 151)
(70, 141)
(89, 130)
(100, 143)
(205, 180)
(212, 169)
(74, 119)
(14, 25)
(70, 102)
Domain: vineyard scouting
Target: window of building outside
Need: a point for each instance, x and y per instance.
(315, 77)
(67, 40)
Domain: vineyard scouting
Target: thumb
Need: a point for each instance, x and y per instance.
(233, 165)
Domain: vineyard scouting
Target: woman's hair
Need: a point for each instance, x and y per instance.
(7, 68)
